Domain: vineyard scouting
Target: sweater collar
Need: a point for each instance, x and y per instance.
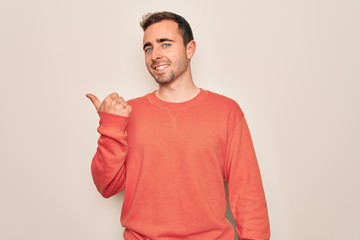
(176, 106)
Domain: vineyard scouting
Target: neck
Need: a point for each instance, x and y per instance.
(177, 91)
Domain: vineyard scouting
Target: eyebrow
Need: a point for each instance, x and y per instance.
(160, 40)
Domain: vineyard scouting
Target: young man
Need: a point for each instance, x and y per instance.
(172, 149)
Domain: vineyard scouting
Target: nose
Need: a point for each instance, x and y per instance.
(155, 54)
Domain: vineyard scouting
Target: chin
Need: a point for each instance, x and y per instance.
(165, 79)
(163, 82)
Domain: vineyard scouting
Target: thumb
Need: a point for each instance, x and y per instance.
(95, 101)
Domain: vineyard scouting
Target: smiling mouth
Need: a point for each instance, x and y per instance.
(161, 67)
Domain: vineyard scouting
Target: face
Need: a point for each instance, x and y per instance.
(166, 57)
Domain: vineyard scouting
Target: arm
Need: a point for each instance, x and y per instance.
(246, 195)
(108, 164)
(107, 167)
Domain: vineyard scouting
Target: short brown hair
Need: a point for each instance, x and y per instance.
(184, 26)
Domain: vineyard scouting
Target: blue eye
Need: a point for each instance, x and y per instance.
(166, 45)
(148, 50)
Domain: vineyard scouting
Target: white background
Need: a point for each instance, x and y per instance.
(293, 66)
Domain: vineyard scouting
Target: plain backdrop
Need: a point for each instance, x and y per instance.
(293, 66)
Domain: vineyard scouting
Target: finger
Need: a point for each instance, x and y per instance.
(112, 98)
(113, 95)
(116, 102)
(128, 108)
(94, 100)
(124, 104)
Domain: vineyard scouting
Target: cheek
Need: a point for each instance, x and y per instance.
(147, 62)
(182, 58)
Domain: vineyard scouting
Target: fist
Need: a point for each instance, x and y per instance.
(113, 104)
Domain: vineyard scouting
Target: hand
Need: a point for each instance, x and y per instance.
(113, 104)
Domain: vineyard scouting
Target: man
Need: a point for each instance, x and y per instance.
(172, 149)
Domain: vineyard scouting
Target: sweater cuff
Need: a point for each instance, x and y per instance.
(113, 121)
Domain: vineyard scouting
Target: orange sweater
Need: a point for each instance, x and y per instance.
(172, 160)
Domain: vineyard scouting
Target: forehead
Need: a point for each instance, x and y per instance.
(164, 29)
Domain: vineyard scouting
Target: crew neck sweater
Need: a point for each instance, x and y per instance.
(172, 159)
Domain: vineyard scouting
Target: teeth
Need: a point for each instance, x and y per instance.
(161, 67)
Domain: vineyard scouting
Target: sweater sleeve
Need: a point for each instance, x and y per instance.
(246, 195)
(108, 164)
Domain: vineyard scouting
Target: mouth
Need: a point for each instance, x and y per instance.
(161, 67)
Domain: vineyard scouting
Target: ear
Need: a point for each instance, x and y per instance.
(190, 49)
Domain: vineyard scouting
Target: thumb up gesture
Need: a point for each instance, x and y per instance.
(113, 104)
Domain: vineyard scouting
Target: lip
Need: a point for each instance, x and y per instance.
(160, 67)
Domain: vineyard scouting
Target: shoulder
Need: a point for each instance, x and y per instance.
(139, 100)
(223, 102)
